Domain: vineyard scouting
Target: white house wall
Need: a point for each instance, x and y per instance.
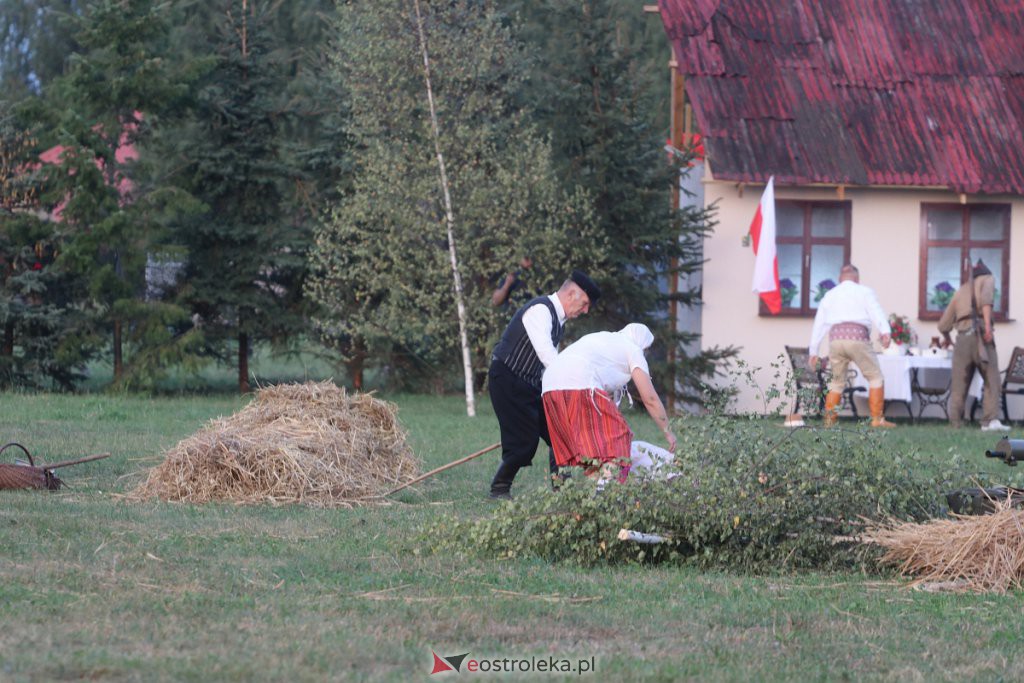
(884, 245)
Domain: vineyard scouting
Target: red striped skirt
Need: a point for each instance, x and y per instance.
(586, 428)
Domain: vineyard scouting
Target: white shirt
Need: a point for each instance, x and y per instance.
(602, 360)
(537, 321)
(847, 302)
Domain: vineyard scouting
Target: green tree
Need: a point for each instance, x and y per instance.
(45, 337)
(381, 262)
(102, 111)
(314, 139)
(599, 85)
(246, 252)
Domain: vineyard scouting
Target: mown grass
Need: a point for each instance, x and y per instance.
(93, 587)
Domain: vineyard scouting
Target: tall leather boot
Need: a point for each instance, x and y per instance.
(501, 485)
(876, 403)
(831, 414)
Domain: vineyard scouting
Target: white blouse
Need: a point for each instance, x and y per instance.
(602, 360)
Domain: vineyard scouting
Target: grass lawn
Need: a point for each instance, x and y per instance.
(95, 588)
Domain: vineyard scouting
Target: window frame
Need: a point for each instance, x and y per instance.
(965, 243)
(806, 242)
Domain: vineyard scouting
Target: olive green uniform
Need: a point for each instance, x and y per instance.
(966, 355)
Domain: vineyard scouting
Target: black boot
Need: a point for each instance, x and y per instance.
(501, 485)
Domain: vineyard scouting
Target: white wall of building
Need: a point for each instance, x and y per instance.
(884, 244)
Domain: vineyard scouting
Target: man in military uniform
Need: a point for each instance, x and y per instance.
(973, 302)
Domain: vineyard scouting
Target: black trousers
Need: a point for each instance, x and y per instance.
(520, 415)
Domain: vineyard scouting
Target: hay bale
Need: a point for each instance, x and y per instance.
(978, 553)
(306, 443)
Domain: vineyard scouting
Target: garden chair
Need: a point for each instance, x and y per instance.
(932, 385)
(1013, 382)
(808, 381)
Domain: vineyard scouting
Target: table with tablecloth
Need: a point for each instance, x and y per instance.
(898, 372)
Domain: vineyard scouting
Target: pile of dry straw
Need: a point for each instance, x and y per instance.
(306, 443)
(967, 553)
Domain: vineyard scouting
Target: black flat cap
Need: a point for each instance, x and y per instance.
(587, 285)
(981, 269)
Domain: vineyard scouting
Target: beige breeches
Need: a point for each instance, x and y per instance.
(842, 352)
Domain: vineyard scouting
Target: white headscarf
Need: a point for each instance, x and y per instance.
(639, 334)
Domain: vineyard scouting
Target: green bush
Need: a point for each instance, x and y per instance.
(748, 496)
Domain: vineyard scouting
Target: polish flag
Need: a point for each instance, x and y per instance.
(766, 262)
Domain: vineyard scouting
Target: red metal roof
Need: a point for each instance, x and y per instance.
(858, 92)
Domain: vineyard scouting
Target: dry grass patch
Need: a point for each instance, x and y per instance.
(979, 553)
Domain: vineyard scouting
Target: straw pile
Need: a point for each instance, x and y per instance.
(978, 553)
(306, 443)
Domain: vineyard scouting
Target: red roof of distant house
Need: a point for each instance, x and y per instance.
(124, 153)
(859, 92)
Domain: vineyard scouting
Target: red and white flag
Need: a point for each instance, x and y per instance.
(766, 262)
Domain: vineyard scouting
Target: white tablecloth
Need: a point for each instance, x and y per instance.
(896, 372)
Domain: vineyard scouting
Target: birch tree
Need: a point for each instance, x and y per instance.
(460, 300)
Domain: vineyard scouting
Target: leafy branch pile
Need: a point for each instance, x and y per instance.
(747, 497)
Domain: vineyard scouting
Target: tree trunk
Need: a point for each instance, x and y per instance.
(243, 363)
(481, 355)
(118, 360)
(460, 305)
(355, 369)
(355, 364)
(479, 379)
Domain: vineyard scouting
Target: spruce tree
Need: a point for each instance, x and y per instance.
(246, 251)
(101, 111)
(381, 263)
(45, 338)
(599, 86)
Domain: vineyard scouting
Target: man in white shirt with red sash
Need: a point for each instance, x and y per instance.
(847, 312)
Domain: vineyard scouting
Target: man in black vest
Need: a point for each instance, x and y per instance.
(528, 345)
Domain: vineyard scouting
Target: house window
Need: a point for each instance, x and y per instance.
(813, 242)
(953, 236)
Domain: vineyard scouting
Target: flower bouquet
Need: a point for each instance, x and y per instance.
(903, 335)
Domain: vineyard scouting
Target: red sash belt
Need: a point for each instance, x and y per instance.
(849, 331)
